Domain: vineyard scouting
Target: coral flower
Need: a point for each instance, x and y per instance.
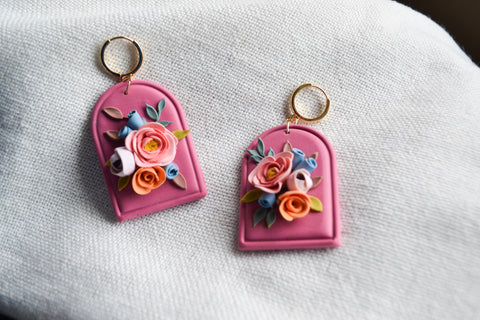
(294, 205)
(146, 179)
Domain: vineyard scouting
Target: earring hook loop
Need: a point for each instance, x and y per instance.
(122, 76)
(297, 115)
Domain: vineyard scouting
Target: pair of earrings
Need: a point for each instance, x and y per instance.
(289, 176)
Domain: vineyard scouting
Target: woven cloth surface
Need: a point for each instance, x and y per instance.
(404, 122)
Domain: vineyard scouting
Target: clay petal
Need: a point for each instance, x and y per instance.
(129, 140)
(281, 209)
(127, 160)
(287, 147)
(316, 181)
(180, 181)
(299, 180)
(113, 113)
(112, 135)
(313, 155)
(155, 125)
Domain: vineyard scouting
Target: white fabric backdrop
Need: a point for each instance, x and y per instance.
(404, 122)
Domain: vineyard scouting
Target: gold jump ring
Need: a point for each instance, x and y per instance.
(123, 76)
(295, 111)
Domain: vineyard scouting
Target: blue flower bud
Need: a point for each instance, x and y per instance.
(134, 120)
(171, 171)
(308, 164)
(267, 200)
(298, 157)
(123, 133)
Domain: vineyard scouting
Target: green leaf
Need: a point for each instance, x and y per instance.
(252, 195)
(271, 217)
(165, 123)
(160, 107)
(152, 113)
(108, 163)
(271, 153)
(316, 204)
(261, 147)
(180, 134)
(259, 215)
(254, 153)
(123, 182)
(257, 159)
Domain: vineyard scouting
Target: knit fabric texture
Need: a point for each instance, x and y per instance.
(404, 122)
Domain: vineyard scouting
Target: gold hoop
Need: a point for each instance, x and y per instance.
(123, 76)
(297, 114)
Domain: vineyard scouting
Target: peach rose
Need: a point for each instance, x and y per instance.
(294, 205)
(270, 173)
(152, 145)
(146, 179)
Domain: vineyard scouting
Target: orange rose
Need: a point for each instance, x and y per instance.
(146, 179)
(294, 205)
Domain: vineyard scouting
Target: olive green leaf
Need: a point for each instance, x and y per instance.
(180, 134)
(108, 164)
(252, 195)
(123, 182)
(316, 204)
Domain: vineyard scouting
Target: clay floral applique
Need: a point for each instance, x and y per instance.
(146, 159)
(281, 183)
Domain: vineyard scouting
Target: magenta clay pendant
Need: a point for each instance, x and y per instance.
(289, 188)
(144, 147)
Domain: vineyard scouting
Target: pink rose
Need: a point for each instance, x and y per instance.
(270, 174)
(299, 180)
(152, 145)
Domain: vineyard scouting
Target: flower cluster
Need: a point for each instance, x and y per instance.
(148, 153)
(282, 181)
